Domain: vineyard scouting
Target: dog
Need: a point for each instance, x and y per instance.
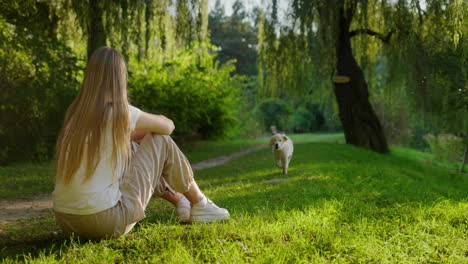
(282, 147)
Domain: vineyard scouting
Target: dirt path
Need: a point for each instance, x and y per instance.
(12, 210)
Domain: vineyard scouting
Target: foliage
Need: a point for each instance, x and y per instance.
(235, 38)
(44, 44)
(425, 71)
(192, 90)
(412, 52)
(307, 117)
(249, 125)
(445, 147)
(146, 27)
(273, 112)
(39, 80)
(285, 66)
(292, 116)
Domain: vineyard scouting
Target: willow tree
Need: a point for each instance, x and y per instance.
(331, 30)
(42, 46)
(137, 22)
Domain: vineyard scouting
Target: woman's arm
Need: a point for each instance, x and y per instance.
(158, 124)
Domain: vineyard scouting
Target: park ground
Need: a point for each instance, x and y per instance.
(338, 204)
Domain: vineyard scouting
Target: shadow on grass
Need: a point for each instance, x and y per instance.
(29, 237)
(364, 183)
(321, 171)
(42, 235)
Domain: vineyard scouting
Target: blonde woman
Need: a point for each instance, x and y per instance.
(103, 181)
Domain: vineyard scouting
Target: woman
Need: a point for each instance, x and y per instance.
(101, 188)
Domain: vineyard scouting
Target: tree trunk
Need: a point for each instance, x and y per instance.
(96, 32)
(462, 166)
(360, 123)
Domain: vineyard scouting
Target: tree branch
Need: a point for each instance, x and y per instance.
(367, 31)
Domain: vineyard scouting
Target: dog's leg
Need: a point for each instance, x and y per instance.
(285, 165)
(278, 163)
(278, 160)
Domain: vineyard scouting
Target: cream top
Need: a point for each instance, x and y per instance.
(101, 191)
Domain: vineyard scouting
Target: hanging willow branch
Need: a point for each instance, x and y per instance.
(384, 38)
(423, 65)
(146, 24)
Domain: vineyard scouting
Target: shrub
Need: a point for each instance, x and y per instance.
(445, 147)
(306, 118)
(37, 87)
(248, 125)
(273, 112)
(191, 89)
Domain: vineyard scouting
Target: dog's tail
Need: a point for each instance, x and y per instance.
(273, 130)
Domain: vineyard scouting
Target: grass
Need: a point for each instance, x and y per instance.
(339, 204)
(26, 179)
(202, 150)
(425, 158)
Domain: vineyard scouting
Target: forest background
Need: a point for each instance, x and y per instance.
(224, 76)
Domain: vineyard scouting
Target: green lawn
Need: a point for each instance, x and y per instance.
(339, 204)
(26, 179)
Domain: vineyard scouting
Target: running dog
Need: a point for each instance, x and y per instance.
(282, 147)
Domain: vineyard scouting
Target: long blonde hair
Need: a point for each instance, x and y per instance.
(102, 97)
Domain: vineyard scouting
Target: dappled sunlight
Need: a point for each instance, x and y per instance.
(326, 131)
(336, 200)
(318, 177)
(380, 183)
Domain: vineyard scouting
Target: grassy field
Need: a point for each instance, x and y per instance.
(26, 179)
(339, 204)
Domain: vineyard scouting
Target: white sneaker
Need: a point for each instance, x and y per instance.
(183, 210)
(207, 211)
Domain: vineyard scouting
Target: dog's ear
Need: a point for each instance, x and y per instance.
(271, 141)
(285, 138)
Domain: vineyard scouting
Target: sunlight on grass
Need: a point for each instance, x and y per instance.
(338, 204)
(26, 179)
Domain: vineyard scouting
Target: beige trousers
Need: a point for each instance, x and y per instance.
(157, 166)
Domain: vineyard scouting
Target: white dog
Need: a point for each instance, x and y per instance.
(282, 147)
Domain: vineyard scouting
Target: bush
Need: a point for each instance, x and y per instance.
(445, 147)
(37, 87)
(273, 112)
(306, 118)
(248, 125)
(200, 97)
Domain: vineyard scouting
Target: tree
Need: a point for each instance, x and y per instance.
(38, 79)
(235, 37)
(334, 32)
(43, 50)
(124, 20)
(360, 123)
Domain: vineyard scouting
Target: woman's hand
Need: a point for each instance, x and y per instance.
(138, 135)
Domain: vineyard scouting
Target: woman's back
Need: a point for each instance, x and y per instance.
(87, 195)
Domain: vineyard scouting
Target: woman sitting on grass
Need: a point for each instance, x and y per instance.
(103, 181)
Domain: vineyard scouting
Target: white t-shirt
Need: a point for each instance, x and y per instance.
(101, 191)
